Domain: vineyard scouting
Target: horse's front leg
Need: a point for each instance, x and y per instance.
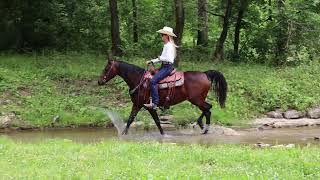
(133, 114)
(199, 121)
(156, 119)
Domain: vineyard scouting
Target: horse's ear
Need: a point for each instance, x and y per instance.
(110, 56)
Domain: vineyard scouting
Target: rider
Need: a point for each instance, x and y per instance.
(167, 59)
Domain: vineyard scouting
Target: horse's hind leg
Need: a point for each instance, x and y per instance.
(205, 108)
(207, 113)
(133, 114)
(156, 119)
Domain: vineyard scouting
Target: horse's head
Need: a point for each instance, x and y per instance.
(109, 72)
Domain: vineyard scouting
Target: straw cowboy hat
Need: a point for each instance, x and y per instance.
(167, 30)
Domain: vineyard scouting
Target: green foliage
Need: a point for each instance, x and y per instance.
(270, 33)
(281, 34)
(65, 26)
(64, 159)
(43, 88)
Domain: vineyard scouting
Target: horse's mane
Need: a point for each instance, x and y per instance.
(130, 69)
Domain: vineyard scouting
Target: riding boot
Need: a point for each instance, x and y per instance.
(151, 105)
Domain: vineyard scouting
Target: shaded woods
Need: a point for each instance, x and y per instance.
(265, 31)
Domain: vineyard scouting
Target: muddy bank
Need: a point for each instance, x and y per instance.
(12, 121)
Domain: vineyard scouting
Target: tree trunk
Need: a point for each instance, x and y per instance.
(282, 35)
(115, 32)
(219, 52)
(242, 8)
(135, 21)
(202, 22)
(179, 26)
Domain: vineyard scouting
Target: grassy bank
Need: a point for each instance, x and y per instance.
(39, 88)
(64, 159)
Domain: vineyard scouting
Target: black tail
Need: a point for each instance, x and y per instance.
(220, 86)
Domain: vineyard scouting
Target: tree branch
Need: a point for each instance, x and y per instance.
(215, 14)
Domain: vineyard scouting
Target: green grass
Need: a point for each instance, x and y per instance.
(64, 159)
(48, 86)
(42, 87)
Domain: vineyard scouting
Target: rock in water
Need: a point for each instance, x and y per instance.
(166, 118)
(290, 146)
(292, 114)
(278, 146)
(280, 123)
(137, 125)
(262, 145)
(284, 146)
(314, 113)
(224, 130)
(275, 114)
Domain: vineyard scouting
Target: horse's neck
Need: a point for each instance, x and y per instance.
(132, 79)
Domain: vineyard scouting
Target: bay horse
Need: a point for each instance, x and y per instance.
(195, 89)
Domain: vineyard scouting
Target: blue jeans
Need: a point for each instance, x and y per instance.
(163, 72)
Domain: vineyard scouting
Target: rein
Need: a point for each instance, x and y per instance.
(142, 80)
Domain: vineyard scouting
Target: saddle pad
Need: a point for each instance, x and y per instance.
(174, 77)
(172, 84)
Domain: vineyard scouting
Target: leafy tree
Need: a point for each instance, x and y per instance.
(115, 32)
(219, 51)
(278, 32)
(202, 23)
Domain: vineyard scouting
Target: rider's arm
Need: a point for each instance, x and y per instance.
(155, 60)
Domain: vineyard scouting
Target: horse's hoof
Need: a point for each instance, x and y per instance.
(124, 132)
(205, 131)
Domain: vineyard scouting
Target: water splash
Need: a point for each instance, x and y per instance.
(116, 120)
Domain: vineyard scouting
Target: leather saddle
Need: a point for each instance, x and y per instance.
(176, 78)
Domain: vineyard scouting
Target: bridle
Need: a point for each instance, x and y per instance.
(107, 74)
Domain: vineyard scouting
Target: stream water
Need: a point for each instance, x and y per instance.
(301, 136)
